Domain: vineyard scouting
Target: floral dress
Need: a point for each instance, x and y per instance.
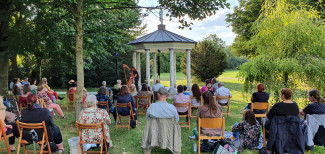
(92, 116)
(249, 134)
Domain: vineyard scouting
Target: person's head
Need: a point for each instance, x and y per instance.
(70, 82)
(31, 99)
(196, 91)
(34, 82)
(146, 82)
(104, 83)
(118, 82)
(144, 87)
(162, 93)
(40, 86)
(102, 91)
(73, 84)
(185, 88)
(18, 79)
(207, 81)
(209, 101)
(124, 90)
(157, 81)
(220, 83)
(314, 96)
(250, 117)
(91, 101)
(44, 80)
(133, 69)
(26, 89)
(209, 86)
(26, 79)
(260, 87)
(213, 81)
(132, 89)
(15, 80)
(286, 94)
(180, 89)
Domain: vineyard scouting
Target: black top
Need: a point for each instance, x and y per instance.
(283, 109)
(136, 73)
(37, 115)
(314, 108)
(260, 97)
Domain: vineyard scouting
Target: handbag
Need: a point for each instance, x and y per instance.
(133, 123)
(53, 147)
(227, 149)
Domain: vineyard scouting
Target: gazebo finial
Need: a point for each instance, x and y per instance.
(161, 16)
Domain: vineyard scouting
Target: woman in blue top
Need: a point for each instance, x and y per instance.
(125, 97)
(101, 96)
(316, 106)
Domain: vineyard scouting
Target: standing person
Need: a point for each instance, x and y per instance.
(25, 81)
(222, 91)
(136, 77)
(316, 105)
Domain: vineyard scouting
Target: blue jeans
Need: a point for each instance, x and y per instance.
(53, 99)
(236, 133)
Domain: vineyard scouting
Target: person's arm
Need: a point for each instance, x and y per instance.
(51, 118)
(237, 127)
(132, 102)
(272, 112)
(176, 116)
(252, 98)
(229, 94)
(305, 110)
(106, 117)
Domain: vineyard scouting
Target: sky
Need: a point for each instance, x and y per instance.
(215, 24)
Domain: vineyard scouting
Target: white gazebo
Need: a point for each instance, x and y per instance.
(166, 42)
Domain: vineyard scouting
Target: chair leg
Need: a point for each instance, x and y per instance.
(7, 145)
(199, 146)
(78, 148)
(82, 149)
(25, 150)
(264, 138)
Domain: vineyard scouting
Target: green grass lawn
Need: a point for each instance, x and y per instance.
(130, 141)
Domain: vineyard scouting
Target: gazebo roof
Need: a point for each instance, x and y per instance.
(162, 39)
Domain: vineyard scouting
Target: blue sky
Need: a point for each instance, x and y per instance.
(215, 24)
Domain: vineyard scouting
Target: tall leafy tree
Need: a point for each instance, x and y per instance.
(290, 44)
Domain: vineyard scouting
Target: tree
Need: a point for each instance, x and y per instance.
(208, 58)
(290, 45)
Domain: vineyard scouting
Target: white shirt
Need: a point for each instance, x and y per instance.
(162, 110)
(222, 91)
(156, 87)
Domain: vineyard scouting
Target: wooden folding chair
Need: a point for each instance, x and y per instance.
(188, 123)
(21, 126)
(102, 141)
(118, 105)
(155, 96)
(144, 107)
(104, 104)
(69, 102)
(210, 123)
(194, 107)
(226, 105)
(4, 137)
(260, 106)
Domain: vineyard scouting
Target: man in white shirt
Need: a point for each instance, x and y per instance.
(157, 86)
(162, 109)
(222, 91)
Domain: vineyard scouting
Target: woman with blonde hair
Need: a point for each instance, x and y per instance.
(133, 90)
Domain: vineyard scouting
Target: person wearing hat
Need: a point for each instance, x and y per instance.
(69, 84)
(222, 91)
(162, 109)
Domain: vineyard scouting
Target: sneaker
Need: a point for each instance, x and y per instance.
(63, 117)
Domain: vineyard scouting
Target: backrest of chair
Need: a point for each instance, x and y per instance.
(192, 97)
(103, 103)
(42, 125)
(222, 97)
(182, 104)
(2, 130)
(155, 95)
(123, 105)
(81, 126)
(211, 122)
(260, 106)
(148, 98)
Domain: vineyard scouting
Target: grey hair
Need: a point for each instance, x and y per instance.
(44, 79)
(119, 81)
(91, 100)
(103, 83)
(220, 83)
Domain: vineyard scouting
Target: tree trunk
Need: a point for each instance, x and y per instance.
(4, 63)
(14, 66)
(79, 58)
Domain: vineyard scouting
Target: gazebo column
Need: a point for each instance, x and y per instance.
(188, 68)
(172, 71)
(148, 66)
(134, 59)
(175, 69)
(154, 67)
(138, 67)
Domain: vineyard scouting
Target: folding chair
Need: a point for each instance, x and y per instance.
(68, 101)
(145, 107)
(120, 116)
(210, 123)
(226, 105)
(260, 106)
(102, 141)
(4, 137)
(104, 104)
(188, 123)
(155, 96)
(194, 107)
(21, 126)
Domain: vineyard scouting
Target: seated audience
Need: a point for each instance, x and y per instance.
(157, 86)
(41, 94)
(214, 85)
(16, 88)
(144, 92)
(247, 131)
(316, 105)
(93, 115)
(210, 89)
(12, 83)
(25, 81)
(23, 98)
(181, 98)
(222, 91)
(107, 88)
(52, 94)
(204, 88)
(162, 109)
(285, 108)
(259, 96)
(101, 96)
(146, 82)
(118, 85)
(73, 90)
(33, 87)
(125, 97)
(9, 125)
(185, 92)
(197, 94)
(35, 114)
(18, 83)
(133, 90)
